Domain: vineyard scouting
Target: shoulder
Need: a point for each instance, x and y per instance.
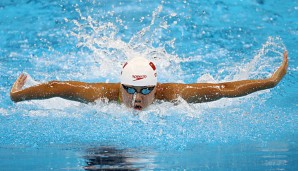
(168, 91)
(103, 90)
(106, 87)
(169, 86)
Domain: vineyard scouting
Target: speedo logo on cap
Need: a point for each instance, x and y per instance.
(138, 77)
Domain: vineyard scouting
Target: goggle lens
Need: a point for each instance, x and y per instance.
(144, 91)
(130, 90)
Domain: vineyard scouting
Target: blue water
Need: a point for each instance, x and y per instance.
(195, 41)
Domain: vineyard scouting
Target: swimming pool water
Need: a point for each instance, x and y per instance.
(190, 41)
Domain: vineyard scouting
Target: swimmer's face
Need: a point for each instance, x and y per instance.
(137, 97)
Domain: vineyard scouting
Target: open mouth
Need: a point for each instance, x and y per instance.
(138, 107)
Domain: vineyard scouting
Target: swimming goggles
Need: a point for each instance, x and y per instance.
(144, 91)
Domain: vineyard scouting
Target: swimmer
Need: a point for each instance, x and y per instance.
(138, 87)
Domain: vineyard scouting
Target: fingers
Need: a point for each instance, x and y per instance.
(285, 55)
(20, 82)
(282, 70)
(285, 62)
(22, 78)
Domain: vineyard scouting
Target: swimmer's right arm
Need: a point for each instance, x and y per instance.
(71, 90)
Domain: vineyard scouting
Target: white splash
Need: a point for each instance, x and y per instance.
(110, 52)
(261, 65)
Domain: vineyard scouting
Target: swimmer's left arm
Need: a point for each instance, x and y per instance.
(210, 92)
(204, 92)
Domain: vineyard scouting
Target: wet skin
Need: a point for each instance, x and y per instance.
(138, 100)
(191, 93)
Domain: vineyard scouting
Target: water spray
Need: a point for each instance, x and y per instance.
(134, 99)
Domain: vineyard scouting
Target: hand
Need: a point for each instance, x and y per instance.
(282, 70)
(19, 83)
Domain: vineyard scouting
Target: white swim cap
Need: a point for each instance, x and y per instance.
(139, 72)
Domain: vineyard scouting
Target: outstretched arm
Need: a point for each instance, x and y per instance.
(203, 92)
(71, 90)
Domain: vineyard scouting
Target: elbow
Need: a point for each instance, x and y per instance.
(59, 89)
(272, 83)
(54, 88)
(227, 90)
(53, 84)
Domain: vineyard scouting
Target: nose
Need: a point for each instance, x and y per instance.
(138, 98)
